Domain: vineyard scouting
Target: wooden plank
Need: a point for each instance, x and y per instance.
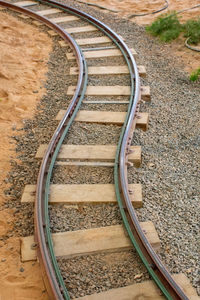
(60, 20)
(27, 248)
(85, 163)
(93, 41)
(83, 193)
(88, 28)
(88, 241)
(70, 30)
(92, 152)
(185, 284)
(142, 120)
(106, 117)
(64, 19)
(89, 41)
(25, 3)
(112, 90)
(144, 290)
(48, 11)
(100, 54)
(105, 101)
(145, 93)
(108, 70)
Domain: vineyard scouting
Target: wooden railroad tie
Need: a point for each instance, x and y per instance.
(89, 241)
(113, 90)
(106, 117)
(83, 193)
(89, 41)
(59, 20)
(70, 30)
(26, 3)
(63, 19)
(93, 153)
(99, 54)
(143, 290)
(50, 11)
(109, 70)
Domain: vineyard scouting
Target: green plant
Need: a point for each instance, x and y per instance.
(192, 31)
(195, 75)
(167, 27)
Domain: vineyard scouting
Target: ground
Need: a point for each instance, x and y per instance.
(21, 87)
(20, 90)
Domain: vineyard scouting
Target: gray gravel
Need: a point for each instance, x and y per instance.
(97, 273)
(109, 80)
(76, 217)
(81, 175)
(93, 134)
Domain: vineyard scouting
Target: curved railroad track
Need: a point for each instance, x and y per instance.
(125, 154)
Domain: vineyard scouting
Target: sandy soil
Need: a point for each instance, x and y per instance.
(20, 90)
(134, 7)
(191, 59)
(23, 56)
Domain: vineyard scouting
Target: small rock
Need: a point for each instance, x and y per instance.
(21, 269)
(151, 165)
(138, 276)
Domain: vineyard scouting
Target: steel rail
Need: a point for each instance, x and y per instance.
(50, 271)
(150, 259)
(156, 269)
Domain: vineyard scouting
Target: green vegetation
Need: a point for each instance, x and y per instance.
(192, 31)
(195, 75)
(168, 28)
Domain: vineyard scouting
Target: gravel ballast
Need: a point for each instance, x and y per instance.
(169, 163)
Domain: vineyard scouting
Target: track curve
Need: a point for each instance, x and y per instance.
(52, 277)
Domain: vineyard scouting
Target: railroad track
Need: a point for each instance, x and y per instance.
(104, 44)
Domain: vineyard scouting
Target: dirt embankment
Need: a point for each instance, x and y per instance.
(23, 56)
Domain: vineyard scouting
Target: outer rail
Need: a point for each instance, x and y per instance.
(41, 221)
(158, 272)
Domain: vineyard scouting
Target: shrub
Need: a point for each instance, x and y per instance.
(195, 75)
(170, 34)
(167, 27)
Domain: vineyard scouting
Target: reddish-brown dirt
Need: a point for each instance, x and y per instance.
(20, 78)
